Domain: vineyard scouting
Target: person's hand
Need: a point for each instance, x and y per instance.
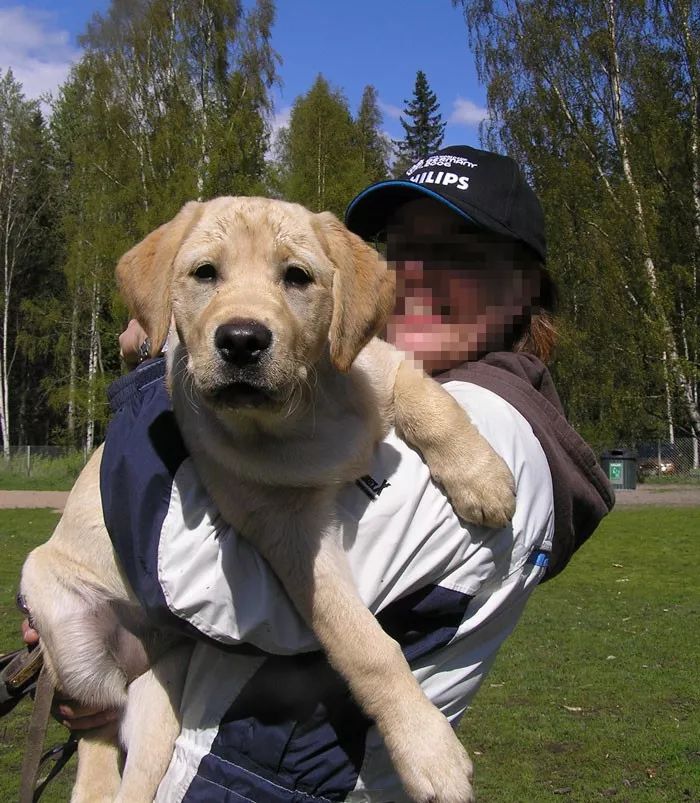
(81, 718)
(29, 635)
(130, 341)
(69, 713)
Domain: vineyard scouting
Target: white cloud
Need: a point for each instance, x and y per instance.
(390, 111)
(466, 112)
(39, 54)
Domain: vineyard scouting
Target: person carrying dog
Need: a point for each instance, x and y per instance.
(265, 718)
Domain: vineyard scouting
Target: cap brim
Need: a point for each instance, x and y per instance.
(368, 213)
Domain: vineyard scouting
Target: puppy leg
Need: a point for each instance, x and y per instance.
(151, 724)
(431, 762)
(77, 627)
(475, 479)
(98, 778)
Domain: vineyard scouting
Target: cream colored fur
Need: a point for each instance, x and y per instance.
(328, 391)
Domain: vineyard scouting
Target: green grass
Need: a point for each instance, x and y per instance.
(20, 531)
(689, 478)
(46, 473)
(594, 697)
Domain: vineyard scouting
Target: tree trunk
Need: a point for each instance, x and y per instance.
(691, 57)
(669, 401)
(93, 360)
(7, 269)
(204, 158)
(73, 365)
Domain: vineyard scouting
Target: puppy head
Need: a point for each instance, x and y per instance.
(259, 290)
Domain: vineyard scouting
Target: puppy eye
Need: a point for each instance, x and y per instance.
(205, 273)
(297, 277)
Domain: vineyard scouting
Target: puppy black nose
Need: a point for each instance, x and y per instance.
(242, 342)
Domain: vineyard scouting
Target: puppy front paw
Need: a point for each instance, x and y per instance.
(432, 764)
(481, 489)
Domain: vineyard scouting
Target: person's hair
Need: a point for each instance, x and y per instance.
(539, 337)
(538, 334)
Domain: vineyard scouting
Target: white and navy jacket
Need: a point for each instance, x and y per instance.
(265, 718)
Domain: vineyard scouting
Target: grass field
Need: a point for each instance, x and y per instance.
(691, 478)
(20, 531)
(45, 473)
(595, 696)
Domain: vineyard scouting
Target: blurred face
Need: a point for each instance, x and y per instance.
(460, 290)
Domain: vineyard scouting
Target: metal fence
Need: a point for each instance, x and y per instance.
(676, 460)
(28, 459)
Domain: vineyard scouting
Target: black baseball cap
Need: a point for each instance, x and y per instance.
(483, 187)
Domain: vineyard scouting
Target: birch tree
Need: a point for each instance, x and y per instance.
(189, 80)
(568, 78)
(169, 103)
(374, 145)
(677, 23)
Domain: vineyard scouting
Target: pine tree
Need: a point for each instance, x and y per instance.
(39, 286)
(423, 127)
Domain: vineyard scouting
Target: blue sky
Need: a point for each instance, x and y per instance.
(379, 42)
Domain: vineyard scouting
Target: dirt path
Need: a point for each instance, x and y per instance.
(657, 495)
(52, 499)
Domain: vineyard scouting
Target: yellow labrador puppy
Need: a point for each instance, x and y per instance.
(281, 391)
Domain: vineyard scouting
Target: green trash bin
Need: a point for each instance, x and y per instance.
(620, 466)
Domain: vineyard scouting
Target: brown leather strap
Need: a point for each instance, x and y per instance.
(19, 671)
(35, 737)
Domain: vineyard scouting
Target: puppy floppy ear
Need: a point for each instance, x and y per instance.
(363, 291)
(144, 274)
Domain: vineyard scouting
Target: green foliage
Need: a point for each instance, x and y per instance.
(320, 163)
(324, 156)
(162, 108)
(598, 101)
(424, 128)
(27, 251)
(374, 147)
